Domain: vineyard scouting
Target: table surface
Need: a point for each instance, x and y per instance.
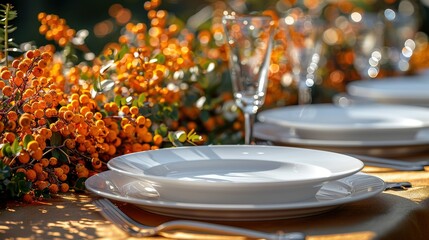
(389, 215)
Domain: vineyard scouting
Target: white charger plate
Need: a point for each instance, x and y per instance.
(246, 174)
(389, 148)
(412, 90)
(116, 186)
(354, 122)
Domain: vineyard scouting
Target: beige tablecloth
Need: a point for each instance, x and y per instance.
(390, 215)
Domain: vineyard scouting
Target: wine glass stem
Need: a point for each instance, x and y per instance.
(304, 93)
(249, 119)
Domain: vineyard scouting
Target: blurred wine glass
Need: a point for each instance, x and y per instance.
(249, 40)
(304, 40)
(385, 39)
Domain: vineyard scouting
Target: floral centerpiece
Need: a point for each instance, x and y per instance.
(65, 112)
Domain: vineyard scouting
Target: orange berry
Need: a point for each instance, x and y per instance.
(53, 161)
(31, 175)
(25, 120)
(128, 129)
(42, 184)
(11, 125)
(37, 154)
(64, 187)
(33, 145)
(28, 198)
(70, 143)
(7, 91)
(24, 157)
(98, 116)
(140, 120)
(65, 168)
(62, 177)
(38, 167)
(21, 170)
(29, 54)
(12, 115)
(37, 71)
(29, 92)
(42, 176)
(83, 174)
(84, 99)
(9, 137)
(46, 56)
(157, 139)
(15, 63)
(53, 188)
(134, 110)
(23, 66)
(125, 109)
(6, 74)
(96, 163)
(147, 137)
(42, 63)
(44, 162)
(148, 122)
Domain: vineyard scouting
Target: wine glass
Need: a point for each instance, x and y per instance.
(304, 44)
(249, 40)
(385, 39)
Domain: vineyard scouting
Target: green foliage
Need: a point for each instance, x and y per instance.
(13, 185)
(6, 15)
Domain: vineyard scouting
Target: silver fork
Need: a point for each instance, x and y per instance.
(136, 229)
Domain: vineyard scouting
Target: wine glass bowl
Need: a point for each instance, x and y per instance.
(304, 33)
(249, 41)
(385, 39)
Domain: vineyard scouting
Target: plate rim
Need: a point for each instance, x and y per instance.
(292, 139)
(332, 127)
(357, 88)
(357, 166)
(372, 190)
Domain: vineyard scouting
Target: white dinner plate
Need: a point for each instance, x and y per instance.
(354, 122)
(333, 194)
(412, 90)
(244, 174)
(389, 148)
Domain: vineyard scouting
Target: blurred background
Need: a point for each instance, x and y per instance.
(405, 31)
(104, 18)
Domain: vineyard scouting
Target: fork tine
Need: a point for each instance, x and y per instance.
(120, 220)
(125, 217)
(111, 217)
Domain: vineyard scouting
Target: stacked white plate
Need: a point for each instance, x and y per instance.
(235, 182)
(372, 129)
(409, 90)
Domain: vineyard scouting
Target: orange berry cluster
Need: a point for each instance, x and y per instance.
(55, 28)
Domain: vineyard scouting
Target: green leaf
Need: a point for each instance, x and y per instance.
(118, 100)
(60, 155)
(7, 150)
(80, 184)
(27, 139)
(162, 130)
(160, 58)
(141, 99)
(16, 148)
(204, 115)
(96, 85)
(124, 50)
(56, 139)
(5, 171)
(11, 29)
